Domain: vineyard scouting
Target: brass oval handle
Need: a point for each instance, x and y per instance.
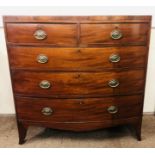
(113, 83)
(116, 34)
(40, 34)
(47, 111)
(42, 58)
(45, 84)
(112, 109)
(114, 58)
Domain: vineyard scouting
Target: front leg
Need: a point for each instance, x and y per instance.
(22, 130)
(137, 127)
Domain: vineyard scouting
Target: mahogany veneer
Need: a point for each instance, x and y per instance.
(78, 83)
(73, 59)
(78, 73)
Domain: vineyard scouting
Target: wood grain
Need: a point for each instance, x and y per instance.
(78, 68)
(81, 59)
(57, 34)
(80, 126)
(78, 110)
(78, 84)
(100, 33)
(74, 19)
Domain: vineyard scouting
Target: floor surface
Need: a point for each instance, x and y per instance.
(117, 137)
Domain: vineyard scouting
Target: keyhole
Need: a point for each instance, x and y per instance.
(81, 102)
(77, 76)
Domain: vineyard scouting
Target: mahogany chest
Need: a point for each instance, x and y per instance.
(78, 73)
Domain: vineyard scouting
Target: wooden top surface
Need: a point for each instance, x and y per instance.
(77, 18)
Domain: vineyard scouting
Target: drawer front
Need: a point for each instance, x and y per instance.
(77, 59)
(78, 110)
(78, 84)
(53, 34)
(113, 33)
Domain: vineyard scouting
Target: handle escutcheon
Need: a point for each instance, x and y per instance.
(42, 59)
(45, 84)
(113, 83)
(112, 109)
(114, 58)
(47, 111)
(116, 34)
(40, 34)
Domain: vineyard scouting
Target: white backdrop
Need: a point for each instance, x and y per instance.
(6, 98)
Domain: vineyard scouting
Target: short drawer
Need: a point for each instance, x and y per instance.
(79, 84)
(81, 59)
(99, 34)
(78, 110)
(53, 34)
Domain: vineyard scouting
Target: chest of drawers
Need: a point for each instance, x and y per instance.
(78, 73)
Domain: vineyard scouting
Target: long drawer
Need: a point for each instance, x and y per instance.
(83, 84)
(78, 110)
(80, 59)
